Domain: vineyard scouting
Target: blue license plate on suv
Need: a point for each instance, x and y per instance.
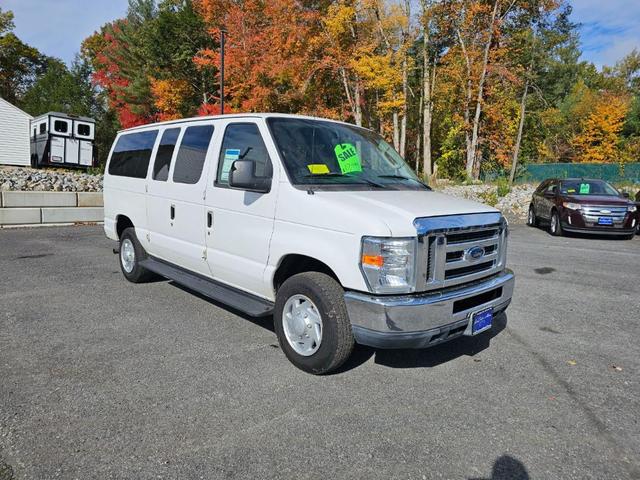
(605, 221)
(481, 321)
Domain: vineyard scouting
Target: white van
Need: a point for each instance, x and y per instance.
(320, 223)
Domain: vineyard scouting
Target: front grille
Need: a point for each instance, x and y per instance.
(591, 213)
(459, 255)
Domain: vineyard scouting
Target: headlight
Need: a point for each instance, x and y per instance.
(632, 208)
(388, 264)
(571, 206)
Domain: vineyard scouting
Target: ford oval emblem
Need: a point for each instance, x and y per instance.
(475, 253)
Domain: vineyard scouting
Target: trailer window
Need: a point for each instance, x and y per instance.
(84, 129)
(165, 152)
(60, 126)
(43, 128)
(192, 153)
(132, 153)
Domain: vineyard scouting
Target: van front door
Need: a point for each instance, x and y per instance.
(240, 223)
(175, 203)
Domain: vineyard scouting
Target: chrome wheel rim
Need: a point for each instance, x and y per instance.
(302, 325)
(531, 216)
(554, 223)
(127, 255)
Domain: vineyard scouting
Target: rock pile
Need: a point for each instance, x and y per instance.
(54, 180)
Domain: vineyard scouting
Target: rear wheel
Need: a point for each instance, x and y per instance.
(532, 220)
(312, 323)
(131, 253)
(555, 227)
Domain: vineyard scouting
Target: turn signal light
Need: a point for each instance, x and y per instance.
(373, 260)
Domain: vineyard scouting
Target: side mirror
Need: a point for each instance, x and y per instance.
(242, 176)
(626, 194)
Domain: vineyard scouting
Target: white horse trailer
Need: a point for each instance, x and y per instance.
(61, 140)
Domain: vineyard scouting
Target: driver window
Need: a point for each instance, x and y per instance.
(242, 141)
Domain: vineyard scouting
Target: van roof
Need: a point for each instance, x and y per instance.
(231, 115)
(64, 115)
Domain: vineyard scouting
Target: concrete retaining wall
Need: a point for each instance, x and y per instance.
(35, 208)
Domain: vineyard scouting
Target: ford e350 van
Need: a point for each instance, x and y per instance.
(317, 222)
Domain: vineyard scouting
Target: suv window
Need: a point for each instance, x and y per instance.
(192, 153)
(242, 141)
(132, 153)
(165, 153)
(552, 188)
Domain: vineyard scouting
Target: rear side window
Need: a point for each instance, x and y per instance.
(165, 152)
(60, 126)
(132, 153)
(192, 153)
(84, 129)
(242, 141)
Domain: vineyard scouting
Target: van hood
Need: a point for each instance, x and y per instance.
(365, 211)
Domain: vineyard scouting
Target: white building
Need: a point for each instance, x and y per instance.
(14, 135)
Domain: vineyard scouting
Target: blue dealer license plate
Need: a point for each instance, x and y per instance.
(481, 321)
(605, 221)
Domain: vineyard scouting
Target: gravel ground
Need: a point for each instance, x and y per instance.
(55, 180)
(108, 380)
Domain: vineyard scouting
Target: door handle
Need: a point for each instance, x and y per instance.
(209, 219)
(172, 212)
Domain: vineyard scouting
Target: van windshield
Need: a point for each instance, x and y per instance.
(317, 152)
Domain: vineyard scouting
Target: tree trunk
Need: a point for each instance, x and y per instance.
(471, 151)
(354, 101)
(516, 149)
(427, 107)
(405, 94)
(396, 132)
(419, 135)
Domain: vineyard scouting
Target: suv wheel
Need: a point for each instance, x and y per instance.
(555, 227)
(532, 221)
(312, 323)
(131, 253)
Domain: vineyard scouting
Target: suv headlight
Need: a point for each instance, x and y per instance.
(388, 264)
(632, 208)
(571, 206)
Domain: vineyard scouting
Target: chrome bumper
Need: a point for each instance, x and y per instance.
(423, 320)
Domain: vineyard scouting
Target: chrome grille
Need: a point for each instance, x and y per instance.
(446, 244)
(591, 213)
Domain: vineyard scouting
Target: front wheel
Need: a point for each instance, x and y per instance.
(131, 253)
(532, 221)
(312, 323)
(555, 227)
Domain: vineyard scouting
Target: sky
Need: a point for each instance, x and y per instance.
(610, 28)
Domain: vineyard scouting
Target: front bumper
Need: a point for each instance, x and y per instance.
(598, 230)
(423, 320)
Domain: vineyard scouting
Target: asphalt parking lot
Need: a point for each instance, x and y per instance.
(104, 379)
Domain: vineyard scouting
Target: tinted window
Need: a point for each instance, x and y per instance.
(84, 129)
(192, 153)
(587, 187)
(43, 127)
(60, 126)
(242, 141)
(165, 152)
(132, 153)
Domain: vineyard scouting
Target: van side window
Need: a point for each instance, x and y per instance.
(132, 153)
(165, 152)
(60, 126)
(242, 141)
(84, 129)
(43, 128)
(192, 153)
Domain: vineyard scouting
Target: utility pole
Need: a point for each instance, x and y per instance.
(223, 32)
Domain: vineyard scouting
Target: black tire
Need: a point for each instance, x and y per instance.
(138, 274)
(337, 340)
(532, 220)
(555, 229)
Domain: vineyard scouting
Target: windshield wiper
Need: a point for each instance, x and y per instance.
(400, 177)
(359, 180)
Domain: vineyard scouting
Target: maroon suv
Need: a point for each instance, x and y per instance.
(584, 206)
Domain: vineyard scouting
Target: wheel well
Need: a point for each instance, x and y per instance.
(123, 222)
(293, 264)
